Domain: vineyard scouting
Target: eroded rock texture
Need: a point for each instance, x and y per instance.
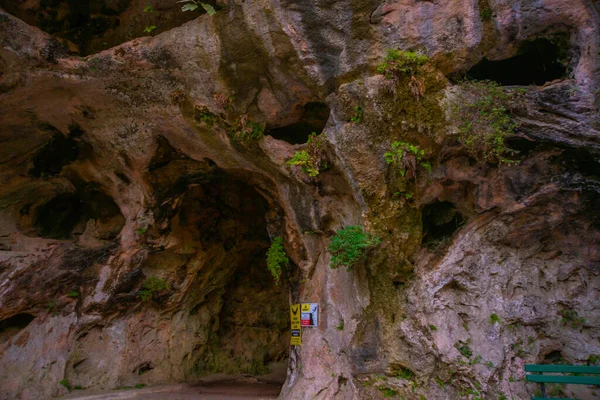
(123, 166)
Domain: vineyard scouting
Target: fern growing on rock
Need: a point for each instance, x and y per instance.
(277, 260)
(406, 156)
(312, 160)
(349, 245)
(482, 109)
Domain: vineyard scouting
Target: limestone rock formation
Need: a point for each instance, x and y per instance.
(138, 196)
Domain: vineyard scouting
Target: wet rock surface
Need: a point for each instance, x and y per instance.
(127, 165)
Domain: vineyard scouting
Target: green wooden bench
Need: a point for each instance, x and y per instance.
(571, 379)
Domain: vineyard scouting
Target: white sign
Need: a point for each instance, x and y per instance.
(310, 314)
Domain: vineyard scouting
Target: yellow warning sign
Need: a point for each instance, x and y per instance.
(305, 307)
(295, 316)
(296, 339)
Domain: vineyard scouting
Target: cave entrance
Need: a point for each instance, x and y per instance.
(241, 312)
(313, 119)
(537, 62)
(440, 221)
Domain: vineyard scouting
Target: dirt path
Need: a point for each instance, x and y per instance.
(217, 390)
(213, 387)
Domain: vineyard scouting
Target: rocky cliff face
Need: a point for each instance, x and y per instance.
(134, 217)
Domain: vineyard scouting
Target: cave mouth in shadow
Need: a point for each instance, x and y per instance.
(314, 118)
(538, 61)
(86, 27)
(67, 215)
(441, 220)
(13, 325)
(245, 313)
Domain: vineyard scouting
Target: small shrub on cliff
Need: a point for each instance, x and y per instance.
(245, 130)
(358, 115)
(203, 114)
(153, 285)
(464, 348)
(192, 5)
(312, 160)
(572, 318)
(277, 260)
(349, 245)
(65, 383)
(494, 318)
(398, 62)
(407, 157)
(482, 111)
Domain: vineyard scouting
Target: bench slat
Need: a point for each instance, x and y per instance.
(578, 380)
(581, 369)
(553, 398)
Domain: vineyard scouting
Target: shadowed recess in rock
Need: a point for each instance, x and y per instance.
(440, 221)
(314, 117)
(537, 62)
(13, 325)
(58, 152)
(67, 215)
(88, 26)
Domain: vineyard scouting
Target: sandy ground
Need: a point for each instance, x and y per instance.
(214, 387)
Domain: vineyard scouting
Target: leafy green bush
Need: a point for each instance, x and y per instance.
(312, 160)
(398, 62)
(572, 318)
(276, 258)
(349, 245)
(406, 156)
(482, 109)
(153, 285)
(192, 5)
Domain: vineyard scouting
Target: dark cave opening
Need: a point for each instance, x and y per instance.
(441, 220)
(58, 152)
(538, 61)
(244, 311)
(314, 118)
(13, 325)
(66, 215)
(85, 27)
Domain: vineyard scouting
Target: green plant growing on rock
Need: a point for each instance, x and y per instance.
(349, 245)
(494, 318)
(464, 348)
(192, 5)
(152, 285)
(572, 318)
(313, 160)
(482, 109)
(340, 326)
(398, 64)
(65, 383)
(277, 260)
(203, 114)
(149, 9)
(73, 294)
(358, 115)
(406, 156)
(149, 29)
(245, 130)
